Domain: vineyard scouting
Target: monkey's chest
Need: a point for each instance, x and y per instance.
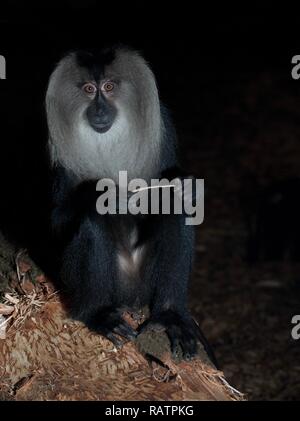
(130, 263)
(130, 254)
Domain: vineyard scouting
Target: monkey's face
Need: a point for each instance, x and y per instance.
(101, 111)
(103, 90)
(116, 88)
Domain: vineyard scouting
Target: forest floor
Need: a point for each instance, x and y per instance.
(245, 309)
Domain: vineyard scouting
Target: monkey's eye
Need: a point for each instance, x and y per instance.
(108, 86)
(89, 88)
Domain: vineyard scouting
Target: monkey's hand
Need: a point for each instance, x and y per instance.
(186, 186)
(182, 331)
(110, 323)
(87, 195)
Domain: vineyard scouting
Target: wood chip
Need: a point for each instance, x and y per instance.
(27, 286)
(11, 299)
(2, 327)
(5, 309)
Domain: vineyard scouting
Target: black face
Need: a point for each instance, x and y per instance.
(101, 114)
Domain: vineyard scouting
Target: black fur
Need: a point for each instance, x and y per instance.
(95, 61)
(87, 244)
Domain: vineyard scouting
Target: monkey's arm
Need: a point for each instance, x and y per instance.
(69, 202)
(87, 257)
(180, 185)
(188, 193)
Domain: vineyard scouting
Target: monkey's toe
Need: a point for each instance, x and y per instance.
(126, 331)
(183, 342)
(118, 343)
(110, 323)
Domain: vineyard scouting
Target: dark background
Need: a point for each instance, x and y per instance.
(225, 73)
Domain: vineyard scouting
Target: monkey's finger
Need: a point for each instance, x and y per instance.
(175, 347)
(118, 343)
(189, 348)
(187, 342)
(126, 331)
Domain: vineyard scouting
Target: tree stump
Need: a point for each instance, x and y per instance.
(44, 355)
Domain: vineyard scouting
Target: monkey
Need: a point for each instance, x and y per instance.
(104, 116)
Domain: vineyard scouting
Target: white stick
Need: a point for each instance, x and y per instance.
(153, 187)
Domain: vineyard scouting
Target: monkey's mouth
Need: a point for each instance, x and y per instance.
(101, 127)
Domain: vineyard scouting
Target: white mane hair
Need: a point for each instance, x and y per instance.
(133, 143)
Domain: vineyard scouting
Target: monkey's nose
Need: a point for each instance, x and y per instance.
(101, 119)
(100, 123)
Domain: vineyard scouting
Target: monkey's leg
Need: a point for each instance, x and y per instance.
(89, 275)
(170, 278)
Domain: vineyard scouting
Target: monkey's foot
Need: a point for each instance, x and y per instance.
(110, 323)
(183, 332)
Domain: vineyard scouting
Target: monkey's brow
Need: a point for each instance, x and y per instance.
(112, 79)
